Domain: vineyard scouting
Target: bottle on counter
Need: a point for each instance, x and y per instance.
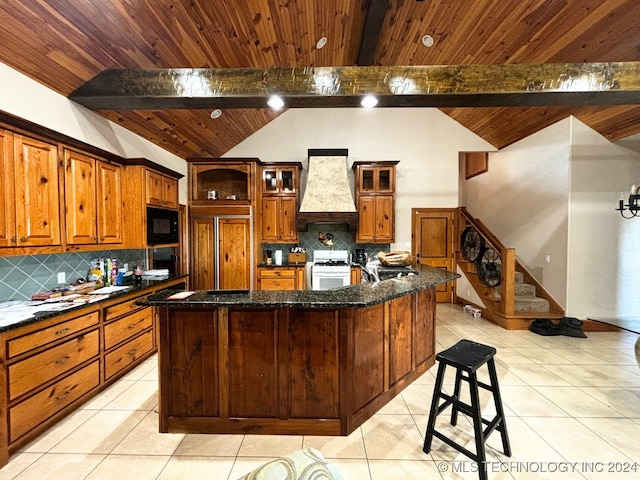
(138, 275)
(114, 271)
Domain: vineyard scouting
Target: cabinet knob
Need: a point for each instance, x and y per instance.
(14, 239)
(23, 239)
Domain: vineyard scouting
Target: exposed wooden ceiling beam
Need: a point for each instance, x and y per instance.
(373, 20)
(412, 86)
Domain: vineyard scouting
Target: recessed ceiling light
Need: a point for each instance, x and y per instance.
(369, 101)
(321, 43)
(427, 41)
(216, 113)
(275, 102)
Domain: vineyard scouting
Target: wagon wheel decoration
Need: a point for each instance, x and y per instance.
(489, 267)
(471, 244)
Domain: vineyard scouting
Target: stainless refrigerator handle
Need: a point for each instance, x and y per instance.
(216, 253)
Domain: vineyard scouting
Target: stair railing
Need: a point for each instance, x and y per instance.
(508, 260)
(510, 265)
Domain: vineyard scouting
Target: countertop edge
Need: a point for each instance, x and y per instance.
(352, 296)
(46, 315)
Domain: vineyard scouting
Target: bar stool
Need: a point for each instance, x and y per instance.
(466, 357)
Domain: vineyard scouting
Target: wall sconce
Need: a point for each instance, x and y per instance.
(633, 207)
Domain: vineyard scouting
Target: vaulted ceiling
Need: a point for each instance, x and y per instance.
(63, 45)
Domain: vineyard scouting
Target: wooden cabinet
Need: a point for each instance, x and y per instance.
(222, 207)
(281, 278)
(48, 367)
(221, 252)
(38, 369)
(280, 202)
(145, 185)
(280, 178)
(375, 219)
(356, 275)
(300, 369)
(279, 219)
(128, 335)
(221, 182)
(7, 199)
(161, 190)
(30, 192)
(375, 200)
(93, 197)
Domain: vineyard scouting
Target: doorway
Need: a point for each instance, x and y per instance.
(432, 233)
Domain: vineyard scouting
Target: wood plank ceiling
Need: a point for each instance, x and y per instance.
(65, 44)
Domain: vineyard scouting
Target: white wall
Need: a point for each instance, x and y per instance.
(523, 199)
(424, 140)
(554, 193)
(604, 258)
(25, 98)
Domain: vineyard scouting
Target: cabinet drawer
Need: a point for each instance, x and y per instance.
(127, 354)
(277, 284)
(25, 343)
(38, 369)
(277, 272)
(120, 309)
(126, 327)
(26, 415)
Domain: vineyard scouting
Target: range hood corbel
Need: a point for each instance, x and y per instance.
(350, 219)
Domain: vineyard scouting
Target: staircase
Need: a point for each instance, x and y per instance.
(525, 299)
(514, 297)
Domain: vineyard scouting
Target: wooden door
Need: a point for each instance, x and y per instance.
(202, 267)
(37, 192)
(270, 213)
(384, 232)
(109, 215)
(80, 198)
(153, 182)
(7, 194)
(170, 192)
(366, 219)
(288, 227)
(433, 233)
(234, 253)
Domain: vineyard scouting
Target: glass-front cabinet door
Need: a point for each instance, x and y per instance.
(377, 179)
(279, 180)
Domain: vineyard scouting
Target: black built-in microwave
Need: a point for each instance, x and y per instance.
(162, 226)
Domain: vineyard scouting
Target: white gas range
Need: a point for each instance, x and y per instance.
(330, 269)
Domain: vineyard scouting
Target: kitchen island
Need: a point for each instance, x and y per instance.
(292, 362)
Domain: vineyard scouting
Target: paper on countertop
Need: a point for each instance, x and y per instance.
(158, 272)
(14, 312)
(110, 289)
(180, 295)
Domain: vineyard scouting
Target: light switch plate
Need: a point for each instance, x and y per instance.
(62, 277)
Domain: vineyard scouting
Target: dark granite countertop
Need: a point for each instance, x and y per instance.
(45, 314)
(359, 295)
(284, 265)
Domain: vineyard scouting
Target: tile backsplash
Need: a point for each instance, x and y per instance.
(342, 240)
(21, 277)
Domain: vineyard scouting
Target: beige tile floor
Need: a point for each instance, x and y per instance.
(572, 406)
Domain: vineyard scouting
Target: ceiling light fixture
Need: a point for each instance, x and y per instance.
(633, 207)
(321, 43)
(216, 113)
(369, 101)
(275, 102)
(427, 41)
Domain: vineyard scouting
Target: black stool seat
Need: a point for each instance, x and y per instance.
(466, 357)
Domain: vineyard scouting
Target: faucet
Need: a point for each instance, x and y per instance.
(371, 273)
